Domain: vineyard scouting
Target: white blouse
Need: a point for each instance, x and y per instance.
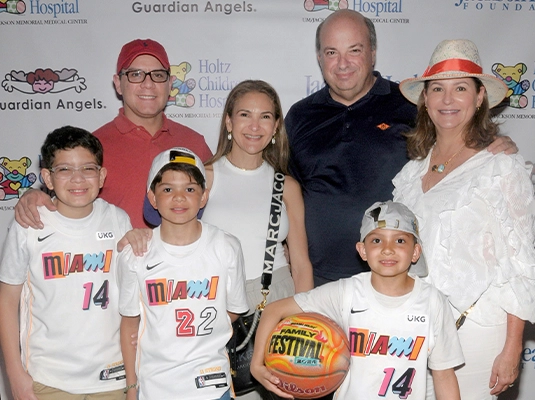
(477, 227)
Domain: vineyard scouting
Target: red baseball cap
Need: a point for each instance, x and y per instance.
(139, 47)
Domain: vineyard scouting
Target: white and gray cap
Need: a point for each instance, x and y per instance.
(395, 216)
(178, 155)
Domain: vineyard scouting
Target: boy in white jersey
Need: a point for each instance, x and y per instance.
(192, 286)
(397, 325)
(69, 318)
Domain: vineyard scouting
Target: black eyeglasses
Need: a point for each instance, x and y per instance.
(138, 76)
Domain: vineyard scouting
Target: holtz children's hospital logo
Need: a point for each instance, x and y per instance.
(39, 7)
(14, 177)
(332, 5)
(181, 87)
(512, 77)
(44, 81)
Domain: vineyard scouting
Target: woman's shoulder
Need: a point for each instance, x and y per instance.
(502, 164)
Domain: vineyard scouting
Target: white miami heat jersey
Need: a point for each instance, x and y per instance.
(391, 347)
(185, 294)
(69, 304)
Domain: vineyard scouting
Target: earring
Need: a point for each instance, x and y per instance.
(477, 109)
(273, 140)
(229, 136)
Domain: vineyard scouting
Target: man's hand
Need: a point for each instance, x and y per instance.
(26, 213)
(503, 143)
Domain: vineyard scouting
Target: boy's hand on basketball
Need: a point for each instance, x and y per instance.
(22, 387)
(137, 239)
(26, 213)
(268, 380)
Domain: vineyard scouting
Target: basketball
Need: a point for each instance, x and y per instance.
(309, 353)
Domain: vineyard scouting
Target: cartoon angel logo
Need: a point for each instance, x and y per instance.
(44, 81)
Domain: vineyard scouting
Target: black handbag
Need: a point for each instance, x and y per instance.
(241, 345)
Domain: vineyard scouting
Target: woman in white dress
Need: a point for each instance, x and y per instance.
(476, 211)
(252, 147)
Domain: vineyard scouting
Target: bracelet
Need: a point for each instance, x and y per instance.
(132, 386)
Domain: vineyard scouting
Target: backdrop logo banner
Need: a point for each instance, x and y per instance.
(13, 7)
(15, 178)
(41, 7)
(528, 358)
(512, 77)
(496, 5)
(331, 5)
(181, 87)
(45, 82)
(192, 8)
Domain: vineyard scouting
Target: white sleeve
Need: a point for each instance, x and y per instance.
(15, 257)
(447, 351)
(129, 292)
(514, 236)
(327, 300)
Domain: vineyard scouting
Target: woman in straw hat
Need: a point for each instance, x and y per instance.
(476, 211)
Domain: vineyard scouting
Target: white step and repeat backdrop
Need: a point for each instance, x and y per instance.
(57, 58)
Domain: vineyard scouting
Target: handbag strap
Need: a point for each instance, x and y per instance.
(269, 255)
(273, 230)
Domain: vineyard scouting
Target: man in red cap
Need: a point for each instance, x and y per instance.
(132, 140)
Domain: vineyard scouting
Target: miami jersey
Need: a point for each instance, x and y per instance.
(391, 347)
(185, 293)
(69, 304)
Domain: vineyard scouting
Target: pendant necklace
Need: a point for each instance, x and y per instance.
(441, 167)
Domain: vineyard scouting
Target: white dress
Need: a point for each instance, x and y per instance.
(477, 229)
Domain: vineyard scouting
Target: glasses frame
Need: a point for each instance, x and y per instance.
(81, 169)
(149, 73)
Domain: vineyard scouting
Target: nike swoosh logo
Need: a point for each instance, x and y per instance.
(356, 311)
(40, 239)
(149, 267)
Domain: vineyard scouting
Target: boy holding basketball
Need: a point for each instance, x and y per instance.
(191, 283)
(397, 325)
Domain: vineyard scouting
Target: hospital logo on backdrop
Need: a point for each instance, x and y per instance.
(379, 11)
(181, 86)
(203, 84)
(45, 12)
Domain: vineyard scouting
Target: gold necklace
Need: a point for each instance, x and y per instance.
(243, 169)
(441, 167)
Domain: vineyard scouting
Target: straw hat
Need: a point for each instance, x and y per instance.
(455, 59)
